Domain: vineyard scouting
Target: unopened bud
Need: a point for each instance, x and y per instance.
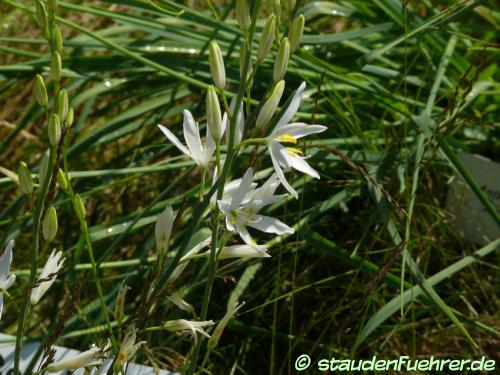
(41, 15)
(277, 8)
(62, 105)
(41, 91)
(243, 14)
(281, 62)
(80, 207)
(214, 118)
(120, 302)
(289, 5)
(49, 228)
(54, 129)
(56, 66)
(295, 33)
(44, 168)
(70, 117)
(242, 61)
(58, 41)
(25, 181)
(269, 107)
(62, 180)
(267, 38)
(52, 5)
(217, 65)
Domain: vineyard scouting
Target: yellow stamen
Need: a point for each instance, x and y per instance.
(286, 138)
(294, 151)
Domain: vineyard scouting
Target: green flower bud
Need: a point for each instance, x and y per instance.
(44, 167)
(242, 61)
(70, 117)
(25, 181)
(269, 107)
(41, 15)
(56, 66)
(54, 129)
(62, 105)
(289, 5)
(295, 33)
(214, 118)
(281, 62)
(243, 14)
(52, 5)
(58, 41)
(217, 65)
(49, 228)
(277, 8)
(41, 91)
(80, 207)
(267, 38)
(62, 180)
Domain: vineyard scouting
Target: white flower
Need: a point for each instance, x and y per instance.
(47, 277)
(201, 154)
(241, 204)
(243, 251)
(163, 228)
(92, 357)
(6, 279)
(128, 348)
(287, 132)
(187, 325)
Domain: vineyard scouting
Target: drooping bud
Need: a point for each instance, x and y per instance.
(53, 5)
(281, 62)
(269, 107)
(62, 105)
(44, 168)
(214, 117)
(41, 91)
(70, 117)
(41, 15)
(217, 65)
(25, 181)
(49, 228)
(62, 180)
(54, 129)
(267, 38)
(80, 207)
(56, 66)
(163, 228)
(243, 14)
(295, 33)
(58, 41)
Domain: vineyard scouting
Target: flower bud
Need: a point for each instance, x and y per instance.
(277, 8)
(163, 228)
(41, 15)
(52, 5)
(44, 167)
(267, 38)
(70, 117)
(62, 105)
(54, 129)
(295, 33)
(214, 118)
(56, 66)
(49, 228)
(80, 207)
(41, 91)
(269, 107)
(120, 302)
(281, 62)
(243, 14)
(62, 180)
(58, 41)
(25, 181)
(242, 62)
(217, 65)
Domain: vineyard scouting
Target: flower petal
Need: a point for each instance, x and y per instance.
(292, 108)
(5, 261)
(298, 130)
(279, 172)
(172, 138)
(243, 189)
(270, 225)
(209, 148)
(243, 251)
(192, 136)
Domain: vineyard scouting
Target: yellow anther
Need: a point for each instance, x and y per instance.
(288, 139)
(294, 151)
